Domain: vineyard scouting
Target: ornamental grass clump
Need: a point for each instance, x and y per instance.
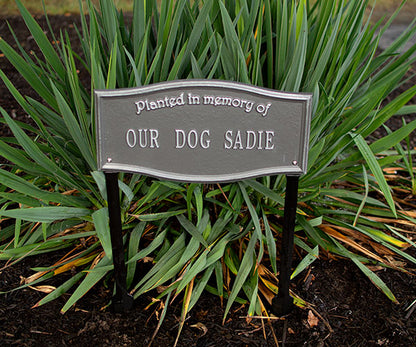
(219, 238)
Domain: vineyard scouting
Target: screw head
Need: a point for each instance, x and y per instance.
(295, 162)
(109, 160)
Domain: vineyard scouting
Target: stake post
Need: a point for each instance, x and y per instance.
(282, 304)
(122, 300)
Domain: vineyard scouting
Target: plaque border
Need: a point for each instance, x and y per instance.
(298, 168)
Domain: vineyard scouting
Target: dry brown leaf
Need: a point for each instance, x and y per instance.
(161, 289)
(380, 249)
(267, 293)
(398, 221)
(97, 260)
(147, 260)
(43, 289)
(375, 268)
(33, 277)
(331, 231)
(409, 213)
(313, 321)
(201, 327)
(391, 170)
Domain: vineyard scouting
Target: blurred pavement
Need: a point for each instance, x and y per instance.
(392, 33)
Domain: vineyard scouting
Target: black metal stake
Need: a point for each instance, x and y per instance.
(282, 304)
(122, 300)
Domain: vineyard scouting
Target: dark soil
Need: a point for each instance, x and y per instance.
(350, 310)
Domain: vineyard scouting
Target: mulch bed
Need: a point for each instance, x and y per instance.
(348, 309)
(351, 311)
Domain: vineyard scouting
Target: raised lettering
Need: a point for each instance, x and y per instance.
(192, 139)
(204, 141)
(147, 138)
(154, 134)
(180, 101)
(237, 141)
(208, 100)
(222, 101)
(263, 109)
(161, 103)
(237, 102)
(131, 138)
(140, 105)
(260, 132)
(269, 140)
(143, 138)
(193, 99)
(153, 105)
(228, 144)
(180, 138)
(249, 106)
(251, 139)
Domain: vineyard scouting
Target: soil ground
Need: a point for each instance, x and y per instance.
(351, 311)
(348, 310)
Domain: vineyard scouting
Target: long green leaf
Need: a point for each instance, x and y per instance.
(46, 214)
(244, 271)
(375, 169)
(100, 219)
(89, 281)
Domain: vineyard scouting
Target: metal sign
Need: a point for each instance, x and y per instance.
(202, 131)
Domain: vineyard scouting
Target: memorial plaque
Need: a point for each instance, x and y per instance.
(202, 131)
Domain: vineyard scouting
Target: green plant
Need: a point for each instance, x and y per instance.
(346, 204)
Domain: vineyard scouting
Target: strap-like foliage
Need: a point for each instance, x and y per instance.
(219, 238)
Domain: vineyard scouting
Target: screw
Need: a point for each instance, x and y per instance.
(109, 160)
(294, 162)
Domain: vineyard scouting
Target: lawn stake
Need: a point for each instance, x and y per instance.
(122, 301)
(282, 304)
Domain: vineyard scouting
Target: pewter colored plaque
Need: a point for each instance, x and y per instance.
(202, 131)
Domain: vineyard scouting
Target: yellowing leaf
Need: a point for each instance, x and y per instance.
(74, 263)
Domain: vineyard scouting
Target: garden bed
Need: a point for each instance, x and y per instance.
(350, 311)
(347, 308)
